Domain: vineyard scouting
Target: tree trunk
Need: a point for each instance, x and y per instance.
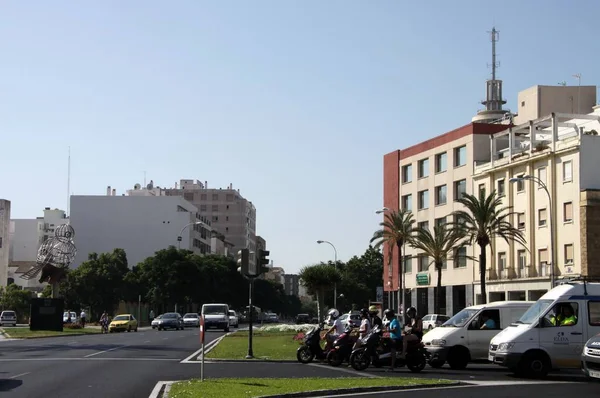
(482, 268)
(318, 305)
(400, 277)
(438, 293)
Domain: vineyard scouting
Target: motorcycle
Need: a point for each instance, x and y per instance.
(311, 348)
(377, 352)
(342, 348)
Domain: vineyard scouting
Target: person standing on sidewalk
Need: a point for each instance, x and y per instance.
(82, 318)
(150, 316)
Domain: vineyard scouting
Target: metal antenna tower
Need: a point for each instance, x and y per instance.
(495, 35)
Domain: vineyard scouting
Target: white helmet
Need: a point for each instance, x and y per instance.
(333, 313)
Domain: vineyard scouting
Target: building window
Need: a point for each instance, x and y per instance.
(215, 207)
(481, 190)
(407, 173)
(568, 212)
(441, 195)
(569, 254)
(407, 264)
(226, 218)
(215, 196)
(541, 174)
(423, 263)
(501, 185)
(215, 218)
(520, 183)
(423, 168)
(521, 220)
(459, 220)
(230, 197)
(202, 207)
(522, 255)
(203, 196)
(440, 222)
(522, 104)
(501, 261)
(189, 196)
(542, 217)
(441, 160)
(568, 171)
(460, 156)
(424, 199)
(407, 202)
(460, 188)
(460, 257)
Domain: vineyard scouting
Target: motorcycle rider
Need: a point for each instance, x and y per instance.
(336, 329)
(375, 319)
(415, 333)
(395, 335)
(365, 326)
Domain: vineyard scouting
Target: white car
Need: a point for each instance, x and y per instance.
(155, 322)
(431, 321)
(234, 320)
(66, 317)
(8, 318)
(191, 320)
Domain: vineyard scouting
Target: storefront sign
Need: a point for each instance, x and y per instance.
(423, 279)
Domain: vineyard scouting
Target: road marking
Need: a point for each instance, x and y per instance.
(88, 359)
(147, 341)
(19, 375)
(158, 388)
(345, 370)
(207, 347)
(165, 338)
(102, 352)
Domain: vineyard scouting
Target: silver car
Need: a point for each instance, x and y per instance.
(8, 318)
(191, 320)
(590, 358)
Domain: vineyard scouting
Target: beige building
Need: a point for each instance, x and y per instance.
(560, 152)
(538, 101)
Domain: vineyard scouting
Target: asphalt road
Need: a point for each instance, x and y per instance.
(130, 365)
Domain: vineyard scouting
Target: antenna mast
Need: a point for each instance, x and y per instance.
(495, 37)
(69, 181)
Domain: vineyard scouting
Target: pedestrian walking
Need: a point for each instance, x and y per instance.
(82, 318)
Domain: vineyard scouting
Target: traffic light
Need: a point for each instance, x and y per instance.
(243, 261)
(262, 260)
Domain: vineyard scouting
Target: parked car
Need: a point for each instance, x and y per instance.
(216, 315)
(271, 317)
(353, 319)
(302, 318)
(123, 322)
(233, 319)
(8, 318)
(66, 317)
(431, 321)
(155, 322)
(170, 320)
(590, 358)
(191, 319)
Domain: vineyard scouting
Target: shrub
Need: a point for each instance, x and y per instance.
(286, 328)
(72, 326)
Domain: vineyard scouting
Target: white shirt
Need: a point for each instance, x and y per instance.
(82, 314)
(365, 327)
(339, 326)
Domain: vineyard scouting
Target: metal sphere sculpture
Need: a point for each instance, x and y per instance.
(54, 256)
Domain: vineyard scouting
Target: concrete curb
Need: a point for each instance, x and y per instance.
(8, 336)
(251, 360)
(161, 389)
(358, 390)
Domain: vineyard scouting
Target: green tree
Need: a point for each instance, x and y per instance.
(318, 279)
(360, 278)
(13, 297)
(438, 246)
(482, 220)
(396, 229)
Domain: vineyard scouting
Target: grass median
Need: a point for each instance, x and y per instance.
(258, 387)
(266, 346)
(25, 333)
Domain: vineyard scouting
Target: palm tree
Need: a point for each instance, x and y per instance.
(438, 246)
(484, 219)
(318, 279)
(396, 229)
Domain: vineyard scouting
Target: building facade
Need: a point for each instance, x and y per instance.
(558, 153)
(426, 179)
(139, 224)
(291, 285)
(4, 240)
(229, 212)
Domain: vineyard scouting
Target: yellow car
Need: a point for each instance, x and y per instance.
(123, 322)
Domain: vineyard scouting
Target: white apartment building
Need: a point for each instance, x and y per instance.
(139, 224)
(560, 151)
(26, 236)
(427, 179)
(4, 240)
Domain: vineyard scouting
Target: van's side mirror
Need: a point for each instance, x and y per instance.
(474, 325)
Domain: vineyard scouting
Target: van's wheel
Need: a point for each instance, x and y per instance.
(458, 358)
(534, 365)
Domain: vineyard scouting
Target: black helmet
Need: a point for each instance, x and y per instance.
(411, 310)
(389, 314)
(365, 312)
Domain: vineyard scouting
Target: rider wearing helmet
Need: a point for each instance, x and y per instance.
(365, 326)
(336, 329)
(416, 329)
(375, 319)
(395, 335)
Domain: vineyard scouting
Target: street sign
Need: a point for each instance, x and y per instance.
(202, 330)
(423, 279)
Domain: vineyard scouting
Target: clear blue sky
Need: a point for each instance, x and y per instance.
(294, 102)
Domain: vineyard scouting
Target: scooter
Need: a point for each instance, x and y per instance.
(377, 352)
(342, 348)
(311, 348)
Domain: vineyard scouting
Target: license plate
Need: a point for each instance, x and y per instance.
(491, 358)
(594, 373)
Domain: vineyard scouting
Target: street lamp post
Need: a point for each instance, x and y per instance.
(179, 238)
(335, 264)
(543, 185)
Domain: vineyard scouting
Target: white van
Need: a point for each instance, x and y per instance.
(538, 343)
(461, 339)
(216, 315)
